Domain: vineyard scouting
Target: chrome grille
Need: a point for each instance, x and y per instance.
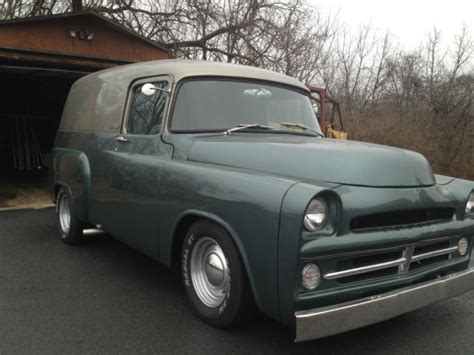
(393, 262)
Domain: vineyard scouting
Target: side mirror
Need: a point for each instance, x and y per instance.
(149, 89)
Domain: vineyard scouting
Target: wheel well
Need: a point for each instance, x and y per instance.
(56, 191)
(178, 238)
(57, 187)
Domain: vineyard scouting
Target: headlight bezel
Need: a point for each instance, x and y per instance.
(319, 278)
(469, 206)
(329, 225)
(463, 246)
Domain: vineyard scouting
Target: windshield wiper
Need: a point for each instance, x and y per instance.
(245, 126)
(302, 126)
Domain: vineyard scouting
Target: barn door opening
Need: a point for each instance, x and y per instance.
(31, 104)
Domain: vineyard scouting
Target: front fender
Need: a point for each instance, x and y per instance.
(291, 228)
(246, 204)
(461, 189)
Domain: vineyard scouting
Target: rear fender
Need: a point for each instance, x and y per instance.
(71, 169)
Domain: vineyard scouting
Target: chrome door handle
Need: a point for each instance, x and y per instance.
(122, 139)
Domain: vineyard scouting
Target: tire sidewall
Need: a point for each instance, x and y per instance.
(224, 314)
(75, 230)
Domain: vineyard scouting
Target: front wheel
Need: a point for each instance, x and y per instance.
(214, 278)
(69, 227)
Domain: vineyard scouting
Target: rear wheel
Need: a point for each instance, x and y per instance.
(214, 278)
(69, 227)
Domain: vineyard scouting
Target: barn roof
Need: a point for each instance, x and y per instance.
(81, 42)
(88, 13)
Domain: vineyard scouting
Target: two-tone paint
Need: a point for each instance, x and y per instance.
(148, 190)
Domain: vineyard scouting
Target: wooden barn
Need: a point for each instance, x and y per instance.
(40, 58)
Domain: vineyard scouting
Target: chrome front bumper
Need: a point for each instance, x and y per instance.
(326, 321)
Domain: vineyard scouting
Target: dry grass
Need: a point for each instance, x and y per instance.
(449, 149)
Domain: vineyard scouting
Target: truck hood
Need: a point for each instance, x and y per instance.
(315, 159)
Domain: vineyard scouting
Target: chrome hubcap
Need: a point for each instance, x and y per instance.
(64, 213)
(209, 272)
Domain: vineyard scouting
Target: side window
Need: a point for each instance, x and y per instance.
(146, 111)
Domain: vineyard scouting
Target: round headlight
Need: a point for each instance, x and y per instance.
(316, 214)
(463, 246)
(311, 276)
(470, 204)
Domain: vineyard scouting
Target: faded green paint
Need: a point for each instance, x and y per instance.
(312, 159)
(256, 185)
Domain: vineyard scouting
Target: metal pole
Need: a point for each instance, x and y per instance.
(15, 165)
(27, 145)
(20, 148)
(37, 149)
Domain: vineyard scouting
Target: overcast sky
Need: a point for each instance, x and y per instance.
(409, 20)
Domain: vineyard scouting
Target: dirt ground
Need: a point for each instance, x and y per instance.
(24, 191)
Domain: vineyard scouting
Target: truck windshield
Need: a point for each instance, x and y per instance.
(209, 105)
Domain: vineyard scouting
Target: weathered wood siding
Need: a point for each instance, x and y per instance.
(52, 37)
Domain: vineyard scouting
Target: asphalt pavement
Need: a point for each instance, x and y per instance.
(103, 297)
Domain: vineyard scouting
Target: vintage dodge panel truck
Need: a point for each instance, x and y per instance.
(221, 171)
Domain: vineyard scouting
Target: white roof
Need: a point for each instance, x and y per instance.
(179, 69)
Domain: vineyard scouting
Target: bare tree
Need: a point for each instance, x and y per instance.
(421, 99)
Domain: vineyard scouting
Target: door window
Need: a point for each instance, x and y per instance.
(147, 111)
